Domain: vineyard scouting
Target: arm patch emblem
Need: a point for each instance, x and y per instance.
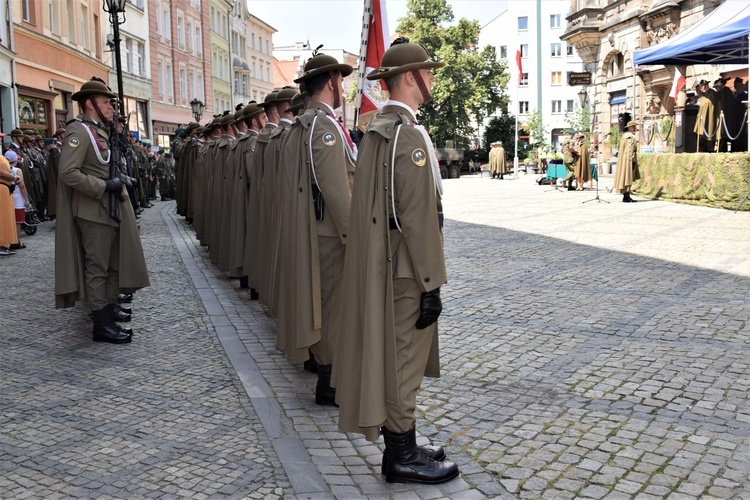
(329, 139)
(419, 157)
(73, 142)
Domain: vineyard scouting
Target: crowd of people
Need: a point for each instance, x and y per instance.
(342, 243)
(722, 115)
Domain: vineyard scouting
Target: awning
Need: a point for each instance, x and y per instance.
(719, 38)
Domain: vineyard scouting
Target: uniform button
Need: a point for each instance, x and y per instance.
(343, 235)
(374, 220)
(427, 280)
(300, 190)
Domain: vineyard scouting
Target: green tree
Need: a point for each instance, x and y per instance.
(472, 84)
(580, 120)
(499, 128)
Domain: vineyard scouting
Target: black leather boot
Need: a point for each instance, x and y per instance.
(104, 331)
(244, 282)
(117, 315)
(124, 298)
(124, 309)
(406, 465)
(311, 365)
(123, 329)
(254, 294)
(325, 395)
(436, 453)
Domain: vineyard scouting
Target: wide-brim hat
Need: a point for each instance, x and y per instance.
(298, 101)
(269, 100)
(59, 132)
(252, 109)
(285, 95)
(93, 88)
(192, 126)
(631, 123)
(323, 63)
(16, 132)
(226, 120)
(401, 58)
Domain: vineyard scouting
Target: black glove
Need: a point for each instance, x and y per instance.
(113, 185)
(430, 307)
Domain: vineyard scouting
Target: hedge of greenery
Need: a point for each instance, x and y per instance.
(715, 180)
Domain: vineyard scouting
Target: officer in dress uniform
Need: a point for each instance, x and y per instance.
(96, 256)
(318, 161)
(627, 163)
(393, 272)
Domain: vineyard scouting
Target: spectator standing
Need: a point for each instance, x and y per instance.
(8, 235)
(20, 197)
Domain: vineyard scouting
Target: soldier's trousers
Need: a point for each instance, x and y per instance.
(412, 353)
(331, 272)
(101, 249)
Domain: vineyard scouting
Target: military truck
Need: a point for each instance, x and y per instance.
(452, 161)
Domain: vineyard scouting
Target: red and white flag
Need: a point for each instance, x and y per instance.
(520, 66)
(679, 82)
(375, 37)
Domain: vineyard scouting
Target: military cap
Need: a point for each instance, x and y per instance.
(322, 63)
(269, 100)
(237, 116)
(631, 123)
(27, 138)
(49, 140)
(38, 137)
(402, 57)
(58, 132)
(252, 109)
(16, 132)
(192, 126)
(285, 95)
(167, 155)
(179, 131)
(93, 87)
(161, 150)
(570, 131)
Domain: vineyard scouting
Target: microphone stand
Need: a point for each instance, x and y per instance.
(598, 163)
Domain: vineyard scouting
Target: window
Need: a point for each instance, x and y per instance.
(268, 74)
(234, 43)
(616, 66)
(243, 47)
(160, 70)
(26, 10)
(167, 24)
(523, 108)
(503, 52)
(568, 50)
(213, 18)
(523, 23)
(198, 40)
(260, 43)
(215, 63)
(524, 80)
(170, 81)
(191, 84)
(84, 27)
(237, 82)
(252, 42)
(71, 21)
(159, 21)
(141, 58)
(268, 50)
(128, 55)
(554, 21)
(557, 78)
(254, 72)
(556, 106)
(570, 105)
(189, 36)
(524, 50)
(555, 50)
(180, 30)
(244, 84)
(201, 96)
(183, 84)
(53, 17)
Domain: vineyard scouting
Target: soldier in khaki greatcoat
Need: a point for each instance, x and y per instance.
(627, 163)
(319, 159)
(393, 272)
(96, 257)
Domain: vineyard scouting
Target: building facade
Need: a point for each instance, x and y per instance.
(605, 35)
(252, 46)
(534, 28)
(221, 63)
(136, 68)
(178, 37)
(58, 47)
(8, 106)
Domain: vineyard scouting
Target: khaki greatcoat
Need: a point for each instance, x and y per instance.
(627, 163)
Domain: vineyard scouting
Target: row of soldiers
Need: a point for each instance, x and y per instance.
(722, 116)
(345, 254)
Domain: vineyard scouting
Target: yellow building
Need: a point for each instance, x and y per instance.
(220, 12)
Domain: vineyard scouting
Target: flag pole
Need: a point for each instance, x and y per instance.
(515, 157)
(366, 20)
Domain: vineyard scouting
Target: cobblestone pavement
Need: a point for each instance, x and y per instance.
(589, 350)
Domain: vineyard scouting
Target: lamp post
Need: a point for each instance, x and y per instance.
(114, 8)
(197, 107)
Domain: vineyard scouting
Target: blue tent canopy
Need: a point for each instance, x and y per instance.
(719, 38)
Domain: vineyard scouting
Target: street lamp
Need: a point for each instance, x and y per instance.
(583, 96)
(114, 8)
(197, 107)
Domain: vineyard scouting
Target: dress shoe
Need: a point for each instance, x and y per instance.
(254, 294)
(117, 315)
(125, 298)
(17, 246)
(123, 329)
(405, 464)
(244, 283)
(311, 365)
(104, 331)
(124, 309)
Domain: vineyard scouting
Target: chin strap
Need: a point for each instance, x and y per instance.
(99, 112)
(336, 93)
(422, 86)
